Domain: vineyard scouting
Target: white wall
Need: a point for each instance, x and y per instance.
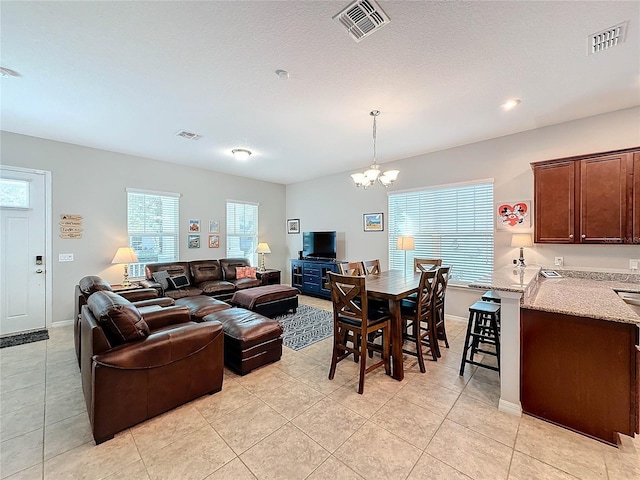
(333, 203)
(92, 183)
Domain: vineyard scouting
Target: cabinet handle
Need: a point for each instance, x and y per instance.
(584, 236)
(571, 236)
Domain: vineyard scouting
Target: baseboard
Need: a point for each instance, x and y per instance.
(510, 407)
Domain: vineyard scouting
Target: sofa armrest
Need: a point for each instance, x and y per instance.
(146, 283)
(161, 348)
(139, 294)
(160, 301)
(164, 317)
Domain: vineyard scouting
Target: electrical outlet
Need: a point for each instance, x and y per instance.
(634, 263)
(65, 257)
(559, 261)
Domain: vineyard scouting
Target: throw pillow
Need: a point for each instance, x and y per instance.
(245, 272)
(179, 281)
(162, 277)
(251, 272)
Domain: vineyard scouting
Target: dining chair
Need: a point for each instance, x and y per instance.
(351, 268)
(418, 322)
(426, 264)
(353, 321)
(371, 267)
(440, 289)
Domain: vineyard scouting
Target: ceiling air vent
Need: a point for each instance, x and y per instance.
(606, 39)
(188, 135)
(361, 18)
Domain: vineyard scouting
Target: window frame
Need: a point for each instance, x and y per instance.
(233, 232)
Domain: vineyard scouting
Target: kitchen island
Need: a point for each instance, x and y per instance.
(573, 343)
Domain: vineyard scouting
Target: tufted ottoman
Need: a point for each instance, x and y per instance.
(201, 305)
(251, 340)
(268, 300)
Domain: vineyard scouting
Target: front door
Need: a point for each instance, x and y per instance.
(22, 250)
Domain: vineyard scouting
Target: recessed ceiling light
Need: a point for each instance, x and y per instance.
(7, 72)
(509, 104)
(241, 154)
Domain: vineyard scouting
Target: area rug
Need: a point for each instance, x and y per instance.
(20, 338)
(305, 327)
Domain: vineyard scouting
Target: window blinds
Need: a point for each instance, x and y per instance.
(242, 230)
(153, 226)
(454, 223)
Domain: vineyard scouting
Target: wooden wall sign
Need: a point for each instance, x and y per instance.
(70, 226)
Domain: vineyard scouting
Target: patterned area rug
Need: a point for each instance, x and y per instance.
(20, 338)
(308, 325)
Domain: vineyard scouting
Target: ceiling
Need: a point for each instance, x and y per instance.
(126, 76)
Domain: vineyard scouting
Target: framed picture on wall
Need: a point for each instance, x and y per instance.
(513, 215)
(214, 226)
(194, 225)
(214, 241)
(194, 241)
(373, 222)
(293, 225)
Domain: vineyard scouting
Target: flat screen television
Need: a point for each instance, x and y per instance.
(319, 244)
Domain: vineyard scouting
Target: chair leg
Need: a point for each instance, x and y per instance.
(466, 344)
(440, 321)
(419, 352)
(386, 351)
(363, 364)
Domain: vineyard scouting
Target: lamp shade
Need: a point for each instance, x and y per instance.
(125, 255)
(521, 240)
(263, 247)
(405, 243)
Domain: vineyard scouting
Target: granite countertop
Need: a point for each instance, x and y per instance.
(583, 297)
(509, 279)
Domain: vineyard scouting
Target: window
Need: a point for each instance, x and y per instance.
(452, 222)
(152, 223)
(242, 230)
(14, 193)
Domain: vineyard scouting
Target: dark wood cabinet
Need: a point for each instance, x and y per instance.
(588, 199)
(311, 278)
(581, 373)
(554, 202)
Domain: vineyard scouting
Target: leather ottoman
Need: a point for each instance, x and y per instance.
(201, 305)
(251, 340)
(268, 300)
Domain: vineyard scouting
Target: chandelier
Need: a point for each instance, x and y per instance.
(373, 173)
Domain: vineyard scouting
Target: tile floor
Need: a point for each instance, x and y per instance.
(288, 421)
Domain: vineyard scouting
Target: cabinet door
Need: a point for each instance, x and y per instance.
(554, 202)
(603, 199)
(636, 198)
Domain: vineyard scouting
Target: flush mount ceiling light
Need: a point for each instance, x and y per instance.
(369, 177)
(509, 104)
(241, 154)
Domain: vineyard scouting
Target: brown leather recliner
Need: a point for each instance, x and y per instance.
(135, 367)
(142, 297)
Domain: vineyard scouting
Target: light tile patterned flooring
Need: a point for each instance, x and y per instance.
(288, 421)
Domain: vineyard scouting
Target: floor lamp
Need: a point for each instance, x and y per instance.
(405, 243)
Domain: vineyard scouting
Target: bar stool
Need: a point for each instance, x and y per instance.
(491, 296)
(482, 329)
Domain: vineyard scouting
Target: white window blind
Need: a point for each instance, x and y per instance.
(153, 227)
(242, 230)
(453, 222)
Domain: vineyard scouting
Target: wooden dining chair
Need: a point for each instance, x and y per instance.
(440, 289)
(351, 268)
(418, 322)
(371, 267)
(353, 321)
(426, 264)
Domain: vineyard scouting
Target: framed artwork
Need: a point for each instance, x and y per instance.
(373, 222)
(513, 215)
(214, 226)
(194, 241)
(293, 225)
(194, 226)
(214, 241)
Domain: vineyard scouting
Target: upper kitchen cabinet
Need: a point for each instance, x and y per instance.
(591, 198)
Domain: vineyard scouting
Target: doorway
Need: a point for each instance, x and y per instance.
(25, 246)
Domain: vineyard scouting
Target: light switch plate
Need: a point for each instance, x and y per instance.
(634, 263)
(559, 261)
(65, 257)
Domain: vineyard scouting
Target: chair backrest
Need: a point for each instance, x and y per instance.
(371, 267)
(352, 269)
(426, 264)
(349, 297)
(442, 278)
(426, 292)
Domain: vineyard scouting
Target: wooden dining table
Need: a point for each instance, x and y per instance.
(393, 286)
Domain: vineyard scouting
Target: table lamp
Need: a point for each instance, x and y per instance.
(263, 247)
(405, 243)
(125, 255)
(521, 240)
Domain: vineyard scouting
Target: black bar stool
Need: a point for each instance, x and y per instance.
(491, 296)
(482, 329)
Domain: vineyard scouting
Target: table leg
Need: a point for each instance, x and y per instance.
(397, 369)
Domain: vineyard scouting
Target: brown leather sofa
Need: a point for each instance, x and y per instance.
(136, 366)
(216, 278)
(142, 298)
